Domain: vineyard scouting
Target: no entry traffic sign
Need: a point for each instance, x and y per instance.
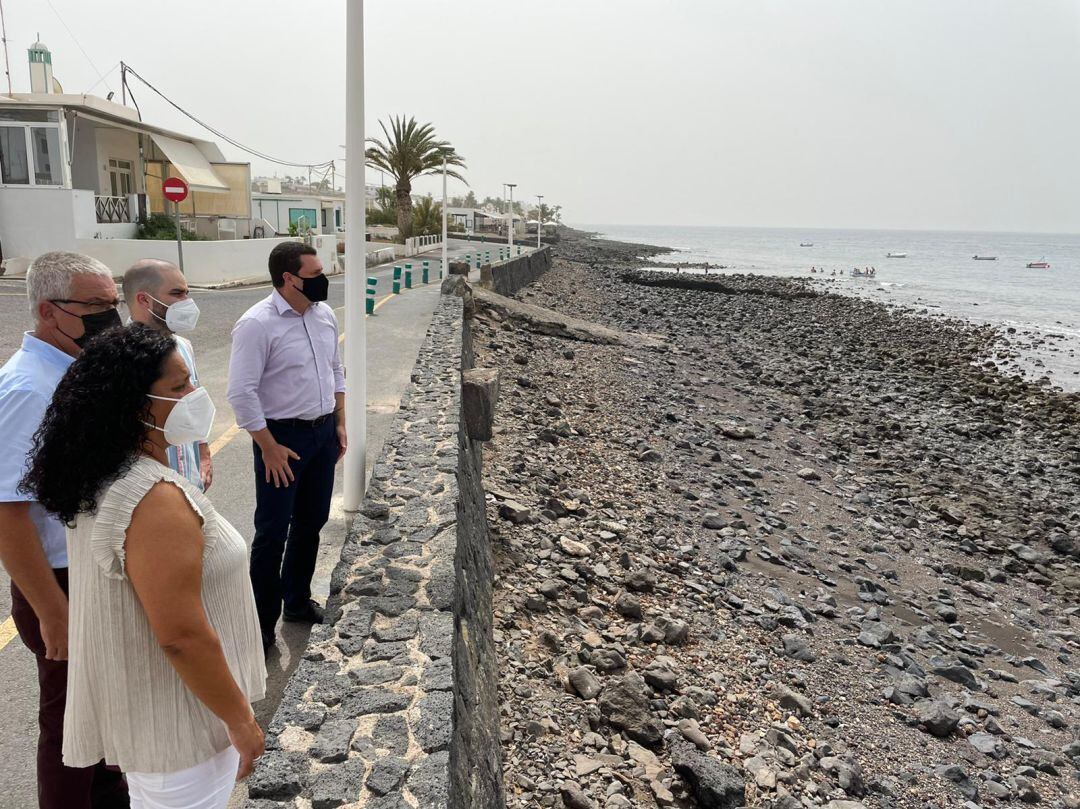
(174, 189)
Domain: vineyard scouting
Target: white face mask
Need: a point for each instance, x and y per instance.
(190, 420)
(180, 316)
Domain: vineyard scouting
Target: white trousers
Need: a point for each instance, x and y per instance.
(207, 785)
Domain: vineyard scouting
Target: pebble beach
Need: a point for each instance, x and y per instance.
(794, 549)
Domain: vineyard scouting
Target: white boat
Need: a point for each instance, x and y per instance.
(984, 258)
(806, 244)
(896, 255)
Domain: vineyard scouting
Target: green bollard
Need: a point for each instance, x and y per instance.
(408, 277)
(397, 280)
(424, 275)
(487, 257)
(369, 301)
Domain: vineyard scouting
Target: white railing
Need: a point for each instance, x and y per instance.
(418, 244)
(112, 210)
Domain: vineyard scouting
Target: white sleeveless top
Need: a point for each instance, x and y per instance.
(125, 702)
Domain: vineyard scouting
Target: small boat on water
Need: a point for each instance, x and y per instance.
(806, 244)
(1041, 264)
(896, 255)
(984, 258)
(857, 273)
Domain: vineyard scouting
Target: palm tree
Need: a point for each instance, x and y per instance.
(426, 217)
(410, 150)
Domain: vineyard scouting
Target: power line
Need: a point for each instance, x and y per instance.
(78, 44)
(101, 79)
(232, 141)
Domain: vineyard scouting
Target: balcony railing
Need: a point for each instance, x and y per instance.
(112, 210)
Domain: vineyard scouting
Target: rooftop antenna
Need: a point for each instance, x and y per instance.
(3, 39)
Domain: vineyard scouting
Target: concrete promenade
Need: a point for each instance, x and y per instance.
(394, 336)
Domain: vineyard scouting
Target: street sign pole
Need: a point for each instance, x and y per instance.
(179, 240)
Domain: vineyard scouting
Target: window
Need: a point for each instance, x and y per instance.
(14, 169)
(46, 140)
(29, 154)
(30, 116)
(121, 177)
(307, 213)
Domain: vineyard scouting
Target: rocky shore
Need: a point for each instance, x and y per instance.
(787, 549)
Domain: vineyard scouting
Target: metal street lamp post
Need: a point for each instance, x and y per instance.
(355, 262)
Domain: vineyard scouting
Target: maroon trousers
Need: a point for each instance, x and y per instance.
(60, 787)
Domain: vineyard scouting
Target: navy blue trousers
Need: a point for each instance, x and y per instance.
(288, 519)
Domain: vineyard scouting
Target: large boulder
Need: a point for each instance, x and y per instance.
(625, 703)
(937, 717)
(715, 785)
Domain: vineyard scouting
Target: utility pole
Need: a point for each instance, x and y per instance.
(3, 38)
(355, 261)
(539, 217)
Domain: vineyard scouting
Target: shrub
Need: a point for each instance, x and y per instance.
(162, 226)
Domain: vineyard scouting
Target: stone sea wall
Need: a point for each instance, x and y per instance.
(395, 703)
(512, 275)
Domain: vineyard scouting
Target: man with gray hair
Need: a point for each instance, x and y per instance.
(72, 298)
(157, 296)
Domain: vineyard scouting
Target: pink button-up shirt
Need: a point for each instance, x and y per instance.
(284, 365)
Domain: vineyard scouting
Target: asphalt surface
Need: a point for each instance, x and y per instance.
(394, 336)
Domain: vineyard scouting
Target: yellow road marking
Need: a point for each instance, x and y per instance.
(224, 438)
(7, 631)
(341, 337)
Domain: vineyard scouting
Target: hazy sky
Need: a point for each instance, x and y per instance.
(944, 114)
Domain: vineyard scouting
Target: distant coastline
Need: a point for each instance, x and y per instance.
(1036, 310)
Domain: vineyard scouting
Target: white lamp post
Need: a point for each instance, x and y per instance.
(355, 261)
(445, 266)
(510, 216)
(539, 217)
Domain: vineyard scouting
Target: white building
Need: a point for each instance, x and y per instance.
(78, 172)
(475, 220)
(321, 214)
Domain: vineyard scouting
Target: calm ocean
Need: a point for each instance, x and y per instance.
(938, 274)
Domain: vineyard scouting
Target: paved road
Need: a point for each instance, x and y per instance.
(394, 336)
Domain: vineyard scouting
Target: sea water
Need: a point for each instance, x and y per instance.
(939, 275)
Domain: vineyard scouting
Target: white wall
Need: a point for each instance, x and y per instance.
(36, 220)
(84, 156)
(205, 263)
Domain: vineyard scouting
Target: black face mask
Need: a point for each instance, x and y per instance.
(92, 324)
(315, 289)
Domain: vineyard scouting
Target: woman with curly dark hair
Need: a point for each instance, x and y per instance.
(165, 652)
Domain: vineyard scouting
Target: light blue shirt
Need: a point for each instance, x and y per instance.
(27, 383)
(186, 459)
